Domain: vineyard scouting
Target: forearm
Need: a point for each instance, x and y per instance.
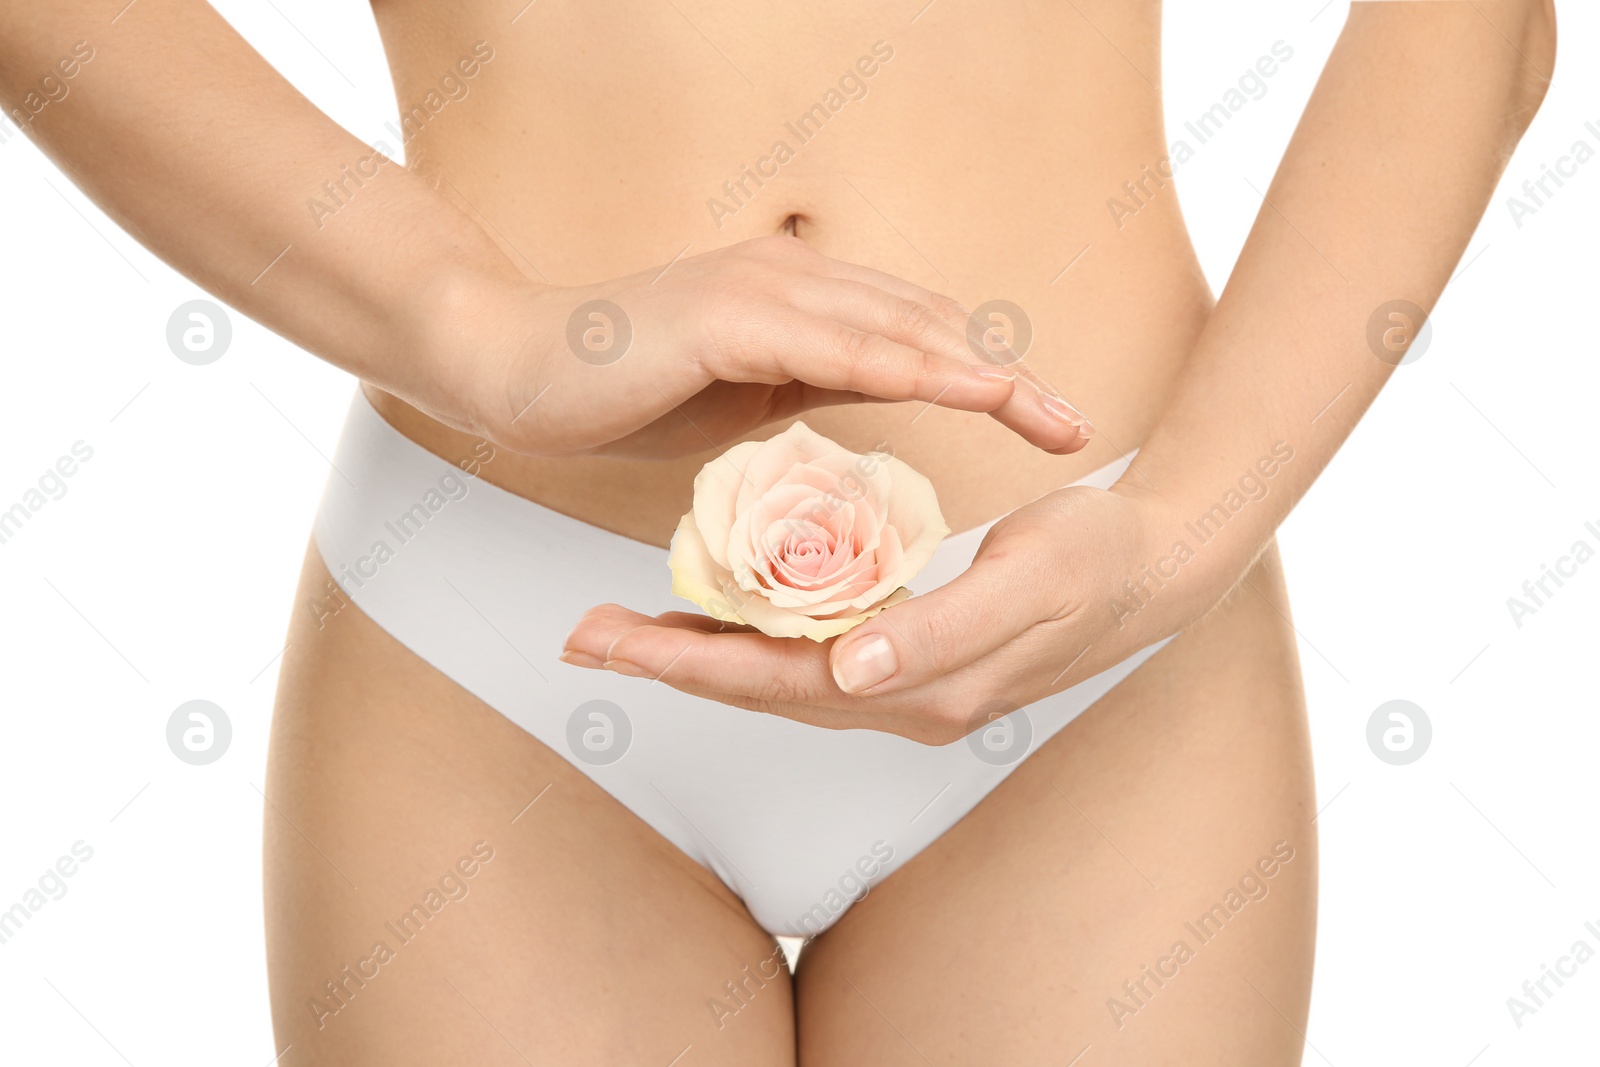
(186, 137)
(1381, 188)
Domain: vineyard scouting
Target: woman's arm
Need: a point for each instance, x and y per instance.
(1382, 185)
(185, 136)
(1381, 188)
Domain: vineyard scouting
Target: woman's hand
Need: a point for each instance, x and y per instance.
(1043, 607)
(675, 361)
(401, 287)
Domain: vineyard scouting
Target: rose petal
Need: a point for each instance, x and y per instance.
(776, 622)
(776, 456)
(914, 510)
(716, 490)
(844, 586)
(696, 577)
(801, 537)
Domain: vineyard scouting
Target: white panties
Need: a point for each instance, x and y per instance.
(484, 585)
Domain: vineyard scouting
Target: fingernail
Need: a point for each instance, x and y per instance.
(622, 666)
(1061, 409)
(994, 374)
(864, 663)
(581, 659)
(1085, 432)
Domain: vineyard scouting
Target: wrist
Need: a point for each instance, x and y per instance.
(467, 330)
(1194, 547)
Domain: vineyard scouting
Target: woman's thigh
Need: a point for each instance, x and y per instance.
(441, 888)
(1112, 895)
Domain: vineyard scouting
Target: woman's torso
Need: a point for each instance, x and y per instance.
(976, 158)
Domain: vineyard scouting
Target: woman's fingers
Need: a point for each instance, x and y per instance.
(1042, 417)
(946, 307)
(815, 331)
(685, 653)
(929, 637)
(705, 623)
(912, 316)
(899, 318)
(790, 677)
(781, 676)
(823, 352)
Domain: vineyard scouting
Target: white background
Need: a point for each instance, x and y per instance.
(165, 572)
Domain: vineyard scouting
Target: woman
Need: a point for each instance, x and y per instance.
(519, 809)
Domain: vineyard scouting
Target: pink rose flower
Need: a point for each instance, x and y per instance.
(799, 537)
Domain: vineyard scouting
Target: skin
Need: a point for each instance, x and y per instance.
(447, 288)
(1306, 287)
